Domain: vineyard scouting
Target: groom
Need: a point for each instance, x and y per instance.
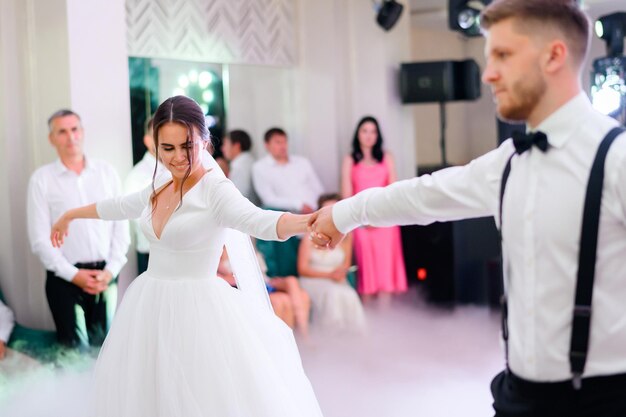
(535, 52)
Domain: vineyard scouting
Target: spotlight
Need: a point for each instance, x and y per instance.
(612, 28)
(464, 15)
(388, 13)
(608, 87)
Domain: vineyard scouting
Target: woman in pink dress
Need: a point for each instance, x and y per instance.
(378, 251)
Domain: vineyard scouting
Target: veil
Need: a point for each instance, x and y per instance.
(242, 255)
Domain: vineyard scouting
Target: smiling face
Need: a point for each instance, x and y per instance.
(513, 71)
(179, 152)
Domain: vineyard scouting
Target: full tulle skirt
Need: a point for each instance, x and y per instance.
(198, 348)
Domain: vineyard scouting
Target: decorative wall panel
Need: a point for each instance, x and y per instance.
(222, 31)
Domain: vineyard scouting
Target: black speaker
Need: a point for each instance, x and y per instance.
(388, 14)
(439, 81)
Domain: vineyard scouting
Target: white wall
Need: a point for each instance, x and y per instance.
(260, 97)
(347, 68)
(471, 125)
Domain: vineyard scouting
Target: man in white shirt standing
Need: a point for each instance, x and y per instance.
(535, 52)
(284, 181)
(236, 149)
(7, 322)
(79, 275)
(140, 177)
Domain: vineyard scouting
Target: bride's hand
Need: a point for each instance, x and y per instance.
(59, 230)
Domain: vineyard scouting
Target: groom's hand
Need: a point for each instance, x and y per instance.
(322, 229)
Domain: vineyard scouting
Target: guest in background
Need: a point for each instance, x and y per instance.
(80, 274)
(300, 300)
(378, 250)
(281, 302)
(7, 322)
(323, 274)
(285, 181)
(236, 149)
(139, 177)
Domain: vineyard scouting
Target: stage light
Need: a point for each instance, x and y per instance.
(608, 87)
(464, 15)
(387, 13)
(612, 28)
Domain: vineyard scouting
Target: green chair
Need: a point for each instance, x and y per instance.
(281, 257)
(40, 344)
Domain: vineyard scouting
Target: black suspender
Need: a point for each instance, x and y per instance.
(586, 261)
(503, 301)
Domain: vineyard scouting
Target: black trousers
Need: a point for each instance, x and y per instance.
(603, 396)
(80, 318)
(142, 262)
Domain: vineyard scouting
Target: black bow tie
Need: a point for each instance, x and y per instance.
(524, 141)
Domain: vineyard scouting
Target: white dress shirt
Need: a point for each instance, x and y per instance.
(286, 186)
(7, 321)
(542, 213)
(240, 174)
(139, 177)
(54, 189)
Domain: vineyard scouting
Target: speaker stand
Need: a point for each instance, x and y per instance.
(442, 125)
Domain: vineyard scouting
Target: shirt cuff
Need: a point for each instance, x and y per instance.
(67, 272)
(114, 267)
(344, 217)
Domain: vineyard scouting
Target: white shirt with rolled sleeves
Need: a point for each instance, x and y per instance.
(542, 213)
(7, 321)
(54, 189)
(286, 186)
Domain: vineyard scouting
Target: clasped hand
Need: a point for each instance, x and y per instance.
(322, 230)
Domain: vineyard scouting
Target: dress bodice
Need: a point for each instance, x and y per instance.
(367, 176)
(192, 240)
(327, 260)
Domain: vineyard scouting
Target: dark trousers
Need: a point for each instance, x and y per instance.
(142, 262)
(81, 319)
(603, 396)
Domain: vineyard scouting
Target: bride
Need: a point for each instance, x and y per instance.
(184, 343)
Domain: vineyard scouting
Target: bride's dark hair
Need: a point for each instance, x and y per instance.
(184, 111)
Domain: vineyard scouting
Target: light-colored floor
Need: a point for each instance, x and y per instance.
(418, 360)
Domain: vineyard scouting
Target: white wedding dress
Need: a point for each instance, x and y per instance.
(183, 342)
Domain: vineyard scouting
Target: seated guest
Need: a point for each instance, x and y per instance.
(281, 302)
(323, 274)
(7, 322)
(300, 300)
(285, 181)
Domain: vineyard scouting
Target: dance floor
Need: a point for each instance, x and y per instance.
(417, 360)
